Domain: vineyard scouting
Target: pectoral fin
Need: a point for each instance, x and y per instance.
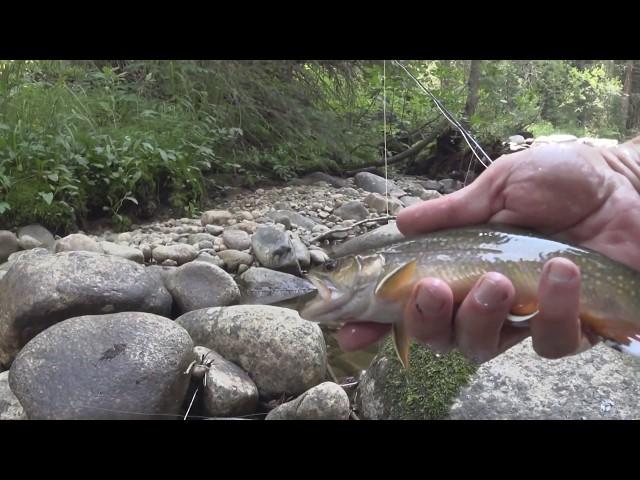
(398, 282)
(401, 343)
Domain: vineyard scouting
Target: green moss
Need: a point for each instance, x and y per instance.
(428, 388)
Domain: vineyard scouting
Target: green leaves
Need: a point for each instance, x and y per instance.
(47, 197)
(4, 206)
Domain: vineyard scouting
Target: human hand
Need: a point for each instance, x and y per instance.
(576, 193)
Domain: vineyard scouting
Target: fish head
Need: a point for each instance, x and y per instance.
(345, 288)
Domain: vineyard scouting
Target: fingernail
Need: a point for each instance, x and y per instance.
(488, 292)
(427, 303)
(560, 272)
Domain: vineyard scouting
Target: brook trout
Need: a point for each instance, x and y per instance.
(374, 286)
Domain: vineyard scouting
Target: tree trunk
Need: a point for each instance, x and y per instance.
(626, 93)
(472, 97)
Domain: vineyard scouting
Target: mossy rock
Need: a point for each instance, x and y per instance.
(425, 391)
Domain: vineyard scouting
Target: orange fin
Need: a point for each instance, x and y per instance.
(401, 342)
(394, 285)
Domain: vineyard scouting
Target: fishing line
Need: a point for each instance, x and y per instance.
(384, 122)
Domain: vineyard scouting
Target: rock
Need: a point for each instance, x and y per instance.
(228, 390)
(181, 253)
(129, 365)
(281, 352)
(430, 195)
(145, 248)
(409, 200)
(560, 138)
(294, 218)
(316, 178)
(244, 215)
(318, 256)
(327, 401)
(379, 203)
(199, 285)
(23, 254)
(215, 217)
(300, 250)
(516, 139)
(33, 236)
(130, 253)
(195, 238)
(376, 184)
(76, 242)
(273, 249)
(596, 385)
(169, 263)
(431, 185)
(214, 229)
(2, 273)
(41, 290)
(207, 258)
(10, 408)
(353, 210)
(236, 239)
(8, 244)
(205, 245)
(449, 185)
(425, 391)
(265, 286)
(234, 258)
(246, 226)
(381, 236)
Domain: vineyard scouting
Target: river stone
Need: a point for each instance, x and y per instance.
(236, 239)
(8, 244)
(265, 286)
(599, 384)
(215, 217)
(379, 203)
(10, 408)
(75, 242)
(41, 290)
(33, 236)
(129, 365)
(199, 285)
(380, 237)
(327, 401)
(180, 253)
(293, 217)
(247, 226)
(23, 254)
(516, 139)
(234, 258)
(430, 195)
(130, 253)
(214, 229)
(431, 185)
(353, 210)
(282, 353)
(316, 178)
(208, 258)
(273, 249)
(228, 390)
(376, 184)
(409, 200)
(195, 238)
(300, 250)
(449, 185)
(318, 256)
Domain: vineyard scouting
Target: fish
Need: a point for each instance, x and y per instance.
(375, 285)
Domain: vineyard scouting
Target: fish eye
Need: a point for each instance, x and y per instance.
(330, 265)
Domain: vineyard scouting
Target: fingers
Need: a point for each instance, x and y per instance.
(429, 314)
(481, 317)
(358, 335)
(556, 331)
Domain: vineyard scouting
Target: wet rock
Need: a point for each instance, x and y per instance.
(41, 290)
(181, 253)
(236, 239)
(33, 236)
(266, 286)
(216, 217)
(353, 210)
(199, 285)
(8, 244)
(327, 401)
(130, 253)
(104, 367)
(259, 337)
(234, 258)
(10, 408)
(273, 249)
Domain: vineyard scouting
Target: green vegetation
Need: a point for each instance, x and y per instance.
(88, 139)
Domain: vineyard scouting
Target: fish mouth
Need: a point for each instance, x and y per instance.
(327, 300)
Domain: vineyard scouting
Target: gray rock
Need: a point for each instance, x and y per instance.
(349, 191)
(77, 242)
(327, 401)
(195, 238)
(234, 258)
(199, 285)
(181, 253)
(8, 244)
(33, 236)
(431, 185)
(430, 195)
(353, 210)
(379, 203)
(228, 390)
(123, 251)
(216, 217)
(318, 256)
(247, 226)
(408, 200)
(273, 249)
(10, 408)
(262, 286)
(318, 177)
(214, 229)
(596, 385)
(24, 254)
(207, 258)
(449, 185)
(376, 184)
(381, 236)
(300, 249)
(129, 365)
(281, 352)
(169, 263)
(41, 290)
(145, 248)
(294, 218)
(516, 139)
(558, 138)
(2, 273)
(236, 239)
